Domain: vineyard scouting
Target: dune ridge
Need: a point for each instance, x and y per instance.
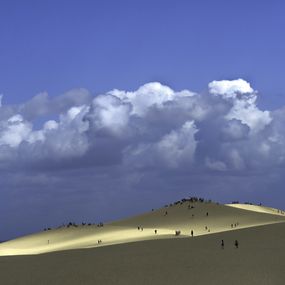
(172, 221)
(257, 208)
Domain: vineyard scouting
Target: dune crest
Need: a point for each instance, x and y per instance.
(258, 208)
(183, 219)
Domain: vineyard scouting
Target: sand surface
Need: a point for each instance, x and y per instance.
(260, 260)
(184, 217)
(128, 255)
(256, 208)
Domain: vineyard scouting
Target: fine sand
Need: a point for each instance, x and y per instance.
(184, 217)
(161, 258)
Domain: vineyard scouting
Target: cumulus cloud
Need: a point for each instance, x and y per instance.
(43, 105)
(109, 113)
(150, 94)
(249, 114)
(243, 99)
(14, 131)
(173, 150)
(230, 88)
(234, 130)
(178, 146)
(153, 127)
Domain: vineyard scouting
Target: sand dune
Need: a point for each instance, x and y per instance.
(260, 209)
(258, 261)
(201, 218)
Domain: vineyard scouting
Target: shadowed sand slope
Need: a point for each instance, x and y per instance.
(259, 260)
(201, 218)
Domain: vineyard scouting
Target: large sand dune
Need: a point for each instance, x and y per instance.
(259, 260)
(203, 218)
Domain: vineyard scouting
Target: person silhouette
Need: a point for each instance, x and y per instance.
(222, 244)
(236, 243)
(192, 233)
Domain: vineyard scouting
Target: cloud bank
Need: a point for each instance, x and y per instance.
(152, 139)
(153, 127)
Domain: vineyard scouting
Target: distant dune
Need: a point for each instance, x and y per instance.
(172, 221)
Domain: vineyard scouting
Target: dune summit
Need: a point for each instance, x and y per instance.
(184, 219)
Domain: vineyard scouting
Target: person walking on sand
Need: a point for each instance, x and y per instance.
(192, 233)
(222, 244)
(236, 243)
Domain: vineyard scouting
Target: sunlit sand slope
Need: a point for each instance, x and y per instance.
(201, 218)
(255, 208)
(259, 260)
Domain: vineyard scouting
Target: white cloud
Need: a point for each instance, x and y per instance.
(173, 150)
(146, 96)
(14, 131)
(249, 114)
(150, 94)
(110, 113)
(243, 99)
(35, 136)
(229, 88)
(50, 125)
(43, 105)
(153, 126)
(178, 146)
(245, 109)
(67, 138)
(55, 140)
(234, 130)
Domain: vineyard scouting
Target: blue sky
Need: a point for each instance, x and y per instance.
(66, 153)
(55, 46)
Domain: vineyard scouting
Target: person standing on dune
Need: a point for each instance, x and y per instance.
(222, 244)
(236, 243)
